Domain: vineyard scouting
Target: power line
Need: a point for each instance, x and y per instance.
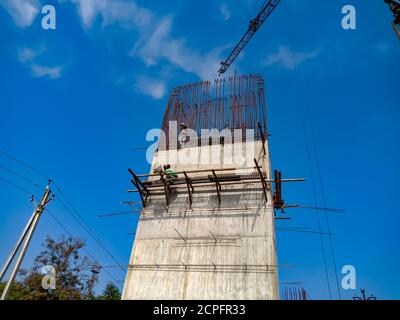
(62, 226)
(23, 242)
(326, 215)
(318, 214)
(19, 175)
(73, 211)
(302, 230)
(84, 249)
(78, 218)
(15, 186)
(24, 164)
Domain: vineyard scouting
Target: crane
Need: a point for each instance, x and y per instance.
(394, 6)
(267, 8)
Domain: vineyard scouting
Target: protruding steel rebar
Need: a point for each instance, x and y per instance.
(237, 102)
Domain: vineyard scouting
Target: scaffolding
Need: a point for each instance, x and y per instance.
(213, 179)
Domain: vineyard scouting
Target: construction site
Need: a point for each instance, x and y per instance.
(208, 231)
(217, 185)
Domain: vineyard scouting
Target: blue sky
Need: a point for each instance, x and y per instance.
(74, 102)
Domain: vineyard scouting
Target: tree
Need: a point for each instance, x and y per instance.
(111, 292)
(73, 277)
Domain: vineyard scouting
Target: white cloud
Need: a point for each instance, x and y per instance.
(154, 88)
(23, 12)
(127, 13)
(225, 11)
(39, 71)
(155, 41)
(289, 59)
(27, 56)
(160, 45)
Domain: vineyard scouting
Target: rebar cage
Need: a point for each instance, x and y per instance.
(236, 102)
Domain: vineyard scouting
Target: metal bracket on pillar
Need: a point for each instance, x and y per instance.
(143, 191)
(140, 193)
(189, 187)
(133, 204)
(277, 200)
(263, 182)
(218, 186)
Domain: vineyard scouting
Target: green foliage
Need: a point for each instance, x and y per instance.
(110, 292)
(74, 279)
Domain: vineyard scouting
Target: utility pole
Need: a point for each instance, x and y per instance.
(26, 236)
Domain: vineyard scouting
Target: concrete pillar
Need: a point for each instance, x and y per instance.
(210, 250)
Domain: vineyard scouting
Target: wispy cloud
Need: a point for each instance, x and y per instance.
(155, 44)
(289, 59)
(154, 88)
(225, 11)
(27, 56)
(23, 12)
(161, 45)
(155, 41)
(126, 13)
(39, 71)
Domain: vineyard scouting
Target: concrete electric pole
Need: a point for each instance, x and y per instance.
(26, 236)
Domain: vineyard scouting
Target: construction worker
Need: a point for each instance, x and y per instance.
(158, 169)
(183, 135)
(171, 174)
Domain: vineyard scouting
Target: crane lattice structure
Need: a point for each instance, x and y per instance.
(394, 6)
(255, 24)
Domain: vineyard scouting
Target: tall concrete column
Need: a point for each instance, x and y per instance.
(220, 247)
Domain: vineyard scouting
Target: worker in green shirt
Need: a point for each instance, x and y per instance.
(170, 173)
